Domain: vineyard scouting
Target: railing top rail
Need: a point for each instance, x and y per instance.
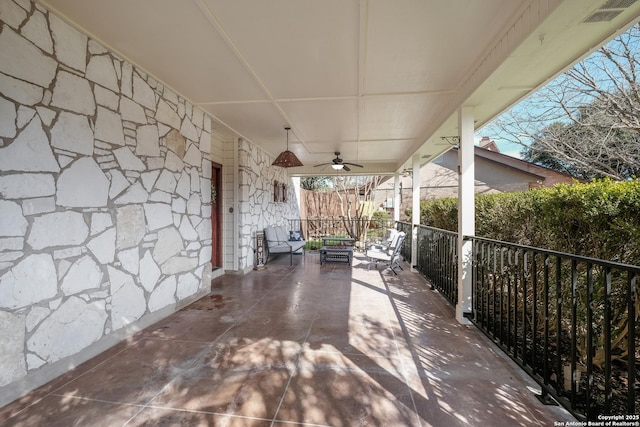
(439, 230)
(589, 260)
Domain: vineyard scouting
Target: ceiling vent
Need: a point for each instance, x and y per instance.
(608, 11)
(618, 4)
(603, 16)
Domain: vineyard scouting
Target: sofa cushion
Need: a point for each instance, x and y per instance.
(270, 235)
(281, 233)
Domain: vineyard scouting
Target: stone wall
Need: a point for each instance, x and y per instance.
(104, 198)
(257, 208)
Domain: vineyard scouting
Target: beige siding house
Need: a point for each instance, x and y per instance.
(495, 173)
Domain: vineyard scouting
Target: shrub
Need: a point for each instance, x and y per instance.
(600, 219)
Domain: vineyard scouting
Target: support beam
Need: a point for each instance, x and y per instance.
(415, 217)
(396, 197)
(234, 211)
(466, 211)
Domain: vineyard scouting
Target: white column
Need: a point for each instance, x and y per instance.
(415, 209)
(466, 210)
(236, 204)
(396, 197)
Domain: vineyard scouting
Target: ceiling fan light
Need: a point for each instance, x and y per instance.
(287, 159)
(337, 166)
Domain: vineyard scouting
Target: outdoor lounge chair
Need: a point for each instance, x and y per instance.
(279, 241)
(387, 255)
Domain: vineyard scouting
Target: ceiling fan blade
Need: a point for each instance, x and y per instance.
(322, 164)
(345, 167)
(353, 164)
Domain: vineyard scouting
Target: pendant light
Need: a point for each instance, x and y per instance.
(287, 159)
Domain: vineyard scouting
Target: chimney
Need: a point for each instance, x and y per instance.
(488, 144)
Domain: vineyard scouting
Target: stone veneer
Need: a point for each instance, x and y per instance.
(256, 206)
(104, 198)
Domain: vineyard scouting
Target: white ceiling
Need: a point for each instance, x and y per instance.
(377, 80)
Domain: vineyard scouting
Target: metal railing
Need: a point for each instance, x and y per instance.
(406, 249)
(570, 322)
(315, 229)
(437, 257)
(438, 260)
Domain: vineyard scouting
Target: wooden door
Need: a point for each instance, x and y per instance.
(216, 216)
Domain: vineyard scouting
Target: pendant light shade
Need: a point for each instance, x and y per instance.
(287, 159)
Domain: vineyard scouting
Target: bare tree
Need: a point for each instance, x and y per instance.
(587, 121)
(356, 203)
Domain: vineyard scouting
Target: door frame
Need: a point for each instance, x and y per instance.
(216, 216)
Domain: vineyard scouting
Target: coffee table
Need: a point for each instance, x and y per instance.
(336, 253)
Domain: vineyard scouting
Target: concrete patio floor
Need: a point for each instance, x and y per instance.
(307, 345)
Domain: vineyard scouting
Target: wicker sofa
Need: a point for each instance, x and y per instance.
(280, 241)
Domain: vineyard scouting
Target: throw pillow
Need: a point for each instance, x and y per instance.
(295, 236)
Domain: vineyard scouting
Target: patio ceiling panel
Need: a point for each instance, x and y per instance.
(298, 49)
(323, 152)
(381, 151)
(398, 116)
(415, 46)
(255, 122)
(329, 124)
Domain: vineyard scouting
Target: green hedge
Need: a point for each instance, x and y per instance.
(600, 219)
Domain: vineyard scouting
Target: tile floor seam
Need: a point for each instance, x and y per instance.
(302, 424)
(195, 411)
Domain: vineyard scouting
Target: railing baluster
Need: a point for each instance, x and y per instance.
(485, 282)
(631, 344)
(523, 281)
(534, 321)
(495, 286)
(545, 352)
(589, 344)
(574, 330)
(559, 371)
(475, 292)
(453, 243)
(509, 275)
(501, 294)
(607, 341)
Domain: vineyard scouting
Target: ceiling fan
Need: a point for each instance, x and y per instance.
(338, 163)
